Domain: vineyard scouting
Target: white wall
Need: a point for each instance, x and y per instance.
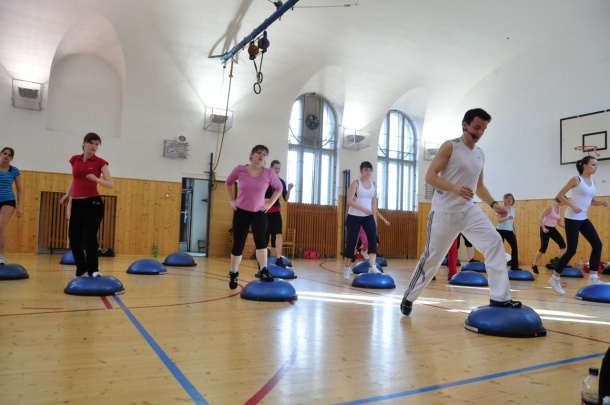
(527, 97)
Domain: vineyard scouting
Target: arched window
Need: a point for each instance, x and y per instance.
(397, 163)
(312, 150)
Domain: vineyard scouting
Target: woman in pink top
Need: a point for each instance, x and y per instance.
(87, 209)
(250, 208)
(549, 219)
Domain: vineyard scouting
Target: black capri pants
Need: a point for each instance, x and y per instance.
(242, 222)
(352, 225)
(554, 234)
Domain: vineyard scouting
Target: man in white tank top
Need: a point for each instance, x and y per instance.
(456, 173)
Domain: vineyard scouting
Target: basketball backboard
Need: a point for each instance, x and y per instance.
(585, 130)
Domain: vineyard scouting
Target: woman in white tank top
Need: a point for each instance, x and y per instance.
(361, 201)
(576, 221)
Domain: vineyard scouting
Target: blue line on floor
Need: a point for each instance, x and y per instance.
(468, 381)
(181, 378)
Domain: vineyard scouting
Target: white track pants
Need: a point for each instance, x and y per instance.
(443, 228)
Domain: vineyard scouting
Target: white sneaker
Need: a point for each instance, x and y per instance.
(2, 261)
(596, 281)
(96, 274)
(556, 284)
(365, 255)
(374, 270)
(346, 271)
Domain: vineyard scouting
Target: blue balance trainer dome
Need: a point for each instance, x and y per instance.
(572, 272)
(522, 275)
(372, 280)
(67, 258)
(286, 260)
(363, 267)
(474, 266)
(381, 261)
(146, 266)
(277, 290)
(12, 272)
(594, 293)
(469, 278)
(94, 286)
(507, 322)
(179, 259)
(281, 272)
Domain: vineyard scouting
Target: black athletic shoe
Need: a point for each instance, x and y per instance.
(505, 304)
(233, 279)
(535, 268)
(265, 275)
(280, 262)
(406, 306)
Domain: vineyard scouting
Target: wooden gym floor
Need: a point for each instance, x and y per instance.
(186, 338)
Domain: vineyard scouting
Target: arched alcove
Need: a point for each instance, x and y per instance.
(86, 84)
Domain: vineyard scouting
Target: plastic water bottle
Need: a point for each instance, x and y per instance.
(590, 387)
(604, 378)
(155, 249)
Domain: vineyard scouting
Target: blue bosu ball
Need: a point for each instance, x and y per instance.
(94, 286)
(507, 322)
(457, 262)
(371, 280)
(281, 272)
(381, 261)
(13, 272)
(474, 266)
(363, 267)
(595, 293)
(180, 259)
(146, 266)
(278, 290)
(572, 272)
(522, 275)
(286, 260)
(469, 278)
(67, 258)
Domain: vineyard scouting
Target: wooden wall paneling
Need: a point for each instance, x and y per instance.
(137, 202)
(221, 220)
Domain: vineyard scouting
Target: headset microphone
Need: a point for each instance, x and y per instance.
(471, 134)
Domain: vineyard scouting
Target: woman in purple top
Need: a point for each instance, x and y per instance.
(250, 208)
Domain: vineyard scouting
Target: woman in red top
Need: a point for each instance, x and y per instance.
(87, 212)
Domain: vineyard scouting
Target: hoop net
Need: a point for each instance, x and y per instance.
(588, 149)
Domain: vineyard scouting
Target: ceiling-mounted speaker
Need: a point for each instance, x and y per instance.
(217, 120)
(182, 138)
(27, 95)
(355, 139)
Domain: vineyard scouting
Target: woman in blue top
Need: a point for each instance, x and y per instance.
(506, 229)
(8, 204)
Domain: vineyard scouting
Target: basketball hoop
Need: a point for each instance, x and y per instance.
(588, 149)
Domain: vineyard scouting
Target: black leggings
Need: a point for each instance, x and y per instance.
(242, 222)
(554, 234)
(511, 238)
(352, 225)
(85, 218)
(586, 228)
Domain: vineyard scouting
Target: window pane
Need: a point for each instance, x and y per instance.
(409, 196)
(296, 119)
(313, 150)
(293, 174)
(381, 185)
(308, 178)
(397, 170)
(393, 184)
(395, 137)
